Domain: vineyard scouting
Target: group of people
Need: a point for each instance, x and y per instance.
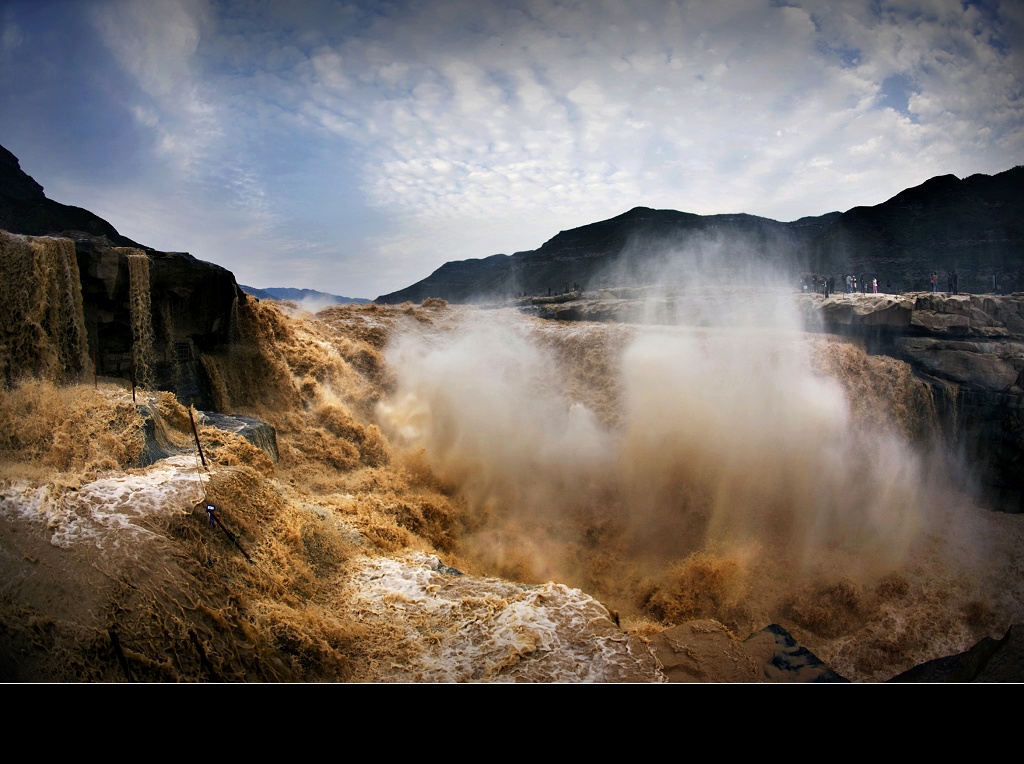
(952, 282)
(826, 285)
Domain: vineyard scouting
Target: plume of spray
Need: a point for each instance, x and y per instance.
(726, 435)
(729, 427)
(485, 402)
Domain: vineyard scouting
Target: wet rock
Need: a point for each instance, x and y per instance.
(192, 304)
(706, 651)
(254, 430)
(969, 349)
(783, 660)
(990, 660)
(162, 441)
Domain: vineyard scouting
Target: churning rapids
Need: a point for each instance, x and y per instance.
(592, 483)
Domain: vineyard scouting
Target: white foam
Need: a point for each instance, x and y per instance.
(468, 629)
(110, 510)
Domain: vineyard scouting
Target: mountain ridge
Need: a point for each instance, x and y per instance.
(25, 209)
(974, 226)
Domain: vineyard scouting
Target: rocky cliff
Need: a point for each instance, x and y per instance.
(142, 314)
(970, 351)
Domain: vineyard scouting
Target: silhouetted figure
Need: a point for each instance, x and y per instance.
(954, 283)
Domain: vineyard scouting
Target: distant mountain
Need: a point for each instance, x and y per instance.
(975, 226)
(24, 209)
(301, 295)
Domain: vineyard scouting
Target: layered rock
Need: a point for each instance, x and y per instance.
(146, 315)
(192, 304)
(970, 350)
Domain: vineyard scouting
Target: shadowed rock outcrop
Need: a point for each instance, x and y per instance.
(990, 660)
(192, 305)
(189, 304)
(25, 209)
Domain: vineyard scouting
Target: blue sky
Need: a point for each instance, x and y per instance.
(356, 147)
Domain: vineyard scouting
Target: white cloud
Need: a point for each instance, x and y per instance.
(585, 111)
(194, 134)
(471, 127)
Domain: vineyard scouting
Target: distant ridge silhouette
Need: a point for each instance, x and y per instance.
(975, 226)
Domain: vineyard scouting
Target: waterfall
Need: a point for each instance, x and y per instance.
(42, 322)
(141, 314)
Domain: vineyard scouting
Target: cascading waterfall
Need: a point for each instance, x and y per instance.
(142, 315)
(42, 332)
(675, 473)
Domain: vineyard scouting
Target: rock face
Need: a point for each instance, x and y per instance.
(970, 350)
(147, 314)
(974, 226)
(191, 309)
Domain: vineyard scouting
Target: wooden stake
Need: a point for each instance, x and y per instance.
(195, 434)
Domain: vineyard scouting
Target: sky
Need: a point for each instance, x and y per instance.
(356, 147)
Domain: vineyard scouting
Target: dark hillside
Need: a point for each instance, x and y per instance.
(24, 209)
(974, 226)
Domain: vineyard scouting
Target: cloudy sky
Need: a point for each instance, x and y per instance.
(356, 147)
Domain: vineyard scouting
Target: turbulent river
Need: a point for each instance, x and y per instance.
(478, 495)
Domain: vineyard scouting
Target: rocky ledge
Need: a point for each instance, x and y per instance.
(975, 340)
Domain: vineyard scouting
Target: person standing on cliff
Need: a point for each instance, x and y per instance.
(953, 282)
(935, 282)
